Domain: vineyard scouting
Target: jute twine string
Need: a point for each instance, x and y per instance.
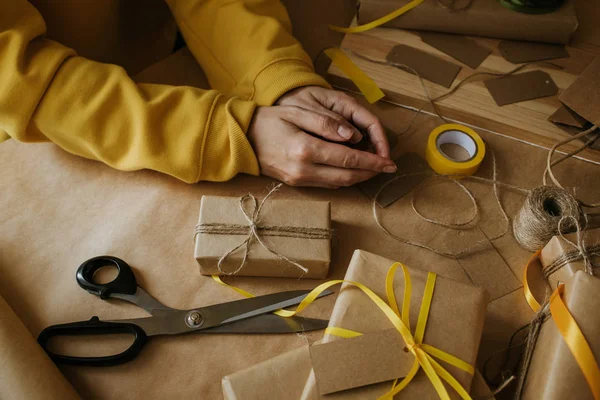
(582, 252)
(433, 100)
(538, 219)
(535, 224)
(460, 225)
(255, 231)
(535, 327)
(549, 163)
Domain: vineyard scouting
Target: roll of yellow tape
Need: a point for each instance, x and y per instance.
(454, 134)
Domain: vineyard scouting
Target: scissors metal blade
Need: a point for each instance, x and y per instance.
(232, 311)
(270, 323)
(174, 322)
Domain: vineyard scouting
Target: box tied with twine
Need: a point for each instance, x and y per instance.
(281, 238)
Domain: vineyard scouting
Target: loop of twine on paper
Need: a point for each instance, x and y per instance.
(255, 231)
(533, 227)
(460, 225)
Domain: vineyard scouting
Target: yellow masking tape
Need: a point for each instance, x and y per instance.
(365, 84)
(459, 135)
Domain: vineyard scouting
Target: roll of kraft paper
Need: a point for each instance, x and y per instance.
(486, 18)
(442, 139)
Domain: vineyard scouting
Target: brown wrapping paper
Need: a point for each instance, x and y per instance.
(313, 254)
(27, 372)
(285, 376)
(455, 321)
(553, 373)
(483, 18)
(455, 324)
(558, 246)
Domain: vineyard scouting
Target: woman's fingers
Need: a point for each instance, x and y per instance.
(349, 108)
(336, 155)
(327, 124)
(334, 177)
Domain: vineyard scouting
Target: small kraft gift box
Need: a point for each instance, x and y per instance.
(271, 238)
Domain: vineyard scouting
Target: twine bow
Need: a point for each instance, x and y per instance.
(255, 231)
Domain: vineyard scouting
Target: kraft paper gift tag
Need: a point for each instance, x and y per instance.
(311, 253)
(521, 87)
(561, 260)
(553, 373)
(564, 115)
(523, 52)
(459, 47)
(430, 67)
(583, 96)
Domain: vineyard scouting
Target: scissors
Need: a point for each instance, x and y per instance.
(241, 316)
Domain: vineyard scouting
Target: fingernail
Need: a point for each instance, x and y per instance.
(345, 132)
(390, 169)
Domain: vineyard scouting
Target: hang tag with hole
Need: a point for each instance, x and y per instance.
(521, 87)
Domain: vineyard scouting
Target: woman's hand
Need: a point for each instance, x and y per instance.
(295, 140)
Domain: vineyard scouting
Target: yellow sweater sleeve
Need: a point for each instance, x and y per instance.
(245, 47)
(95, 110)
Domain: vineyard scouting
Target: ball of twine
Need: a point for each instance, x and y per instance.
(540, 217)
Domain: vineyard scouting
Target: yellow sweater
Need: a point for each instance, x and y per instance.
(65, 77)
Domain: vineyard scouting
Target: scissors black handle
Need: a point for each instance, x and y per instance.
(94, 327)
(124, 283)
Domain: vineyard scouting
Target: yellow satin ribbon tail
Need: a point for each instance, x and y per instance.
(363, 82)
(575, 340)
(379, 21)
(531, 300)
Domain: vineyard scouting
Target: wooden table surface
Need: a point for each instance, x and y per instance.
(472, 104)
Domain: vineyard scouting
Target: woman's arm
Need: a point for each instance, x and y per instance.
(95, 110)
(245, 47)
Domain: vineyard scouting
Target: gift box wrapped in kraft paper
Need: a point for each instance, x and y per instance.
(363, 351)
(269, 237)
(563, 256)
(555, 371)
(487, 18)
(285, 376)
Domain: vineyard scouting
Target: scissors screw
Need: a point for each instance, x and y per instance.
(194, 319)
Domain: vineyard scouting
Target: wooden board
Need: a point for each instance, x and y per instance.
(472, 103)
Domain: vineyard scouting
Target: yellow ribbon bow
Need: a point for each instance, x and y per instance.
(423, 352)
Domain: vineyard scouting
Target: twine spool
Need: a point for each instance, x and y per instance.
(539, 218)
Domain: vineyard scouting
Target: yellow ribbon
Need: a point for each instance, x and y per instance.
(363, 82)
(378, 22)
(423, 352)
(571, 333)
(531, 300)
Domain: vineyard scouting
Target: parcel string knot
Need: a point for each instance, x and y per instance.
(255, 232)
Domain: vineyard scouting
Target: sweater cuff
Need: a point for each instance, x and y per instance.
(226, 150)
(281, 76)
